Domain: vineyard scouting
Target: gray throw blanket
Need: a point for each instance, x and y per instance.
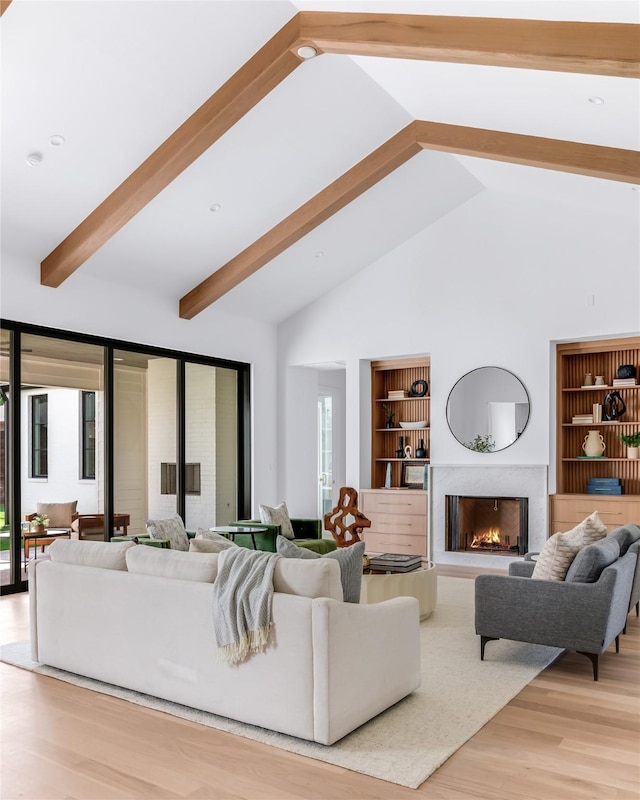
(242, 597)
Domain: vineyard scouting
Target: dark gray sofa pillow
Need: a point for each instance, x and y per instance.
(592, 559)
(626, 535)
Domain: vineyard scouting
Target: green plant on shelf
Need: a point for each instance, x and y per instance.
(630, 439)
(389, 414)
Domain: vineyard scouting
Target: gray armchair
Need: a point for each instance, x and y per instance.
(586, 612)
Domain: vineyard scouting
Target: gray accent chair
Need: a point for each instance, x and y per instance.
(586, 612)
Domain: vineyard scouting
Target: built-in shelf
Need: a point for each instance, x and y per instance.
(398, 375)
(571, 504)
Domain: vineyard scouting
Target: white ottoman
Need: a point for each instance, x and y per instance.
(421, 583)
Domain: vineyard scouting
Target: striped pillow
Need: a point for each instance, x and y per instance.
(561, 548)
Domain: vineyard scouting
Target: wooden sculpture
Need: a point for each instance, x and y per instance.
(345, 521)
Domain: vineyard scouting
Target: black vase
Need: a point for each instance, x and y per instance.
(420, 449)
(627, 371)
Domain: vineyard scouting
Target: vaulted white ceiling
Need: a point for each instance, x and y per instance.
(115, 79)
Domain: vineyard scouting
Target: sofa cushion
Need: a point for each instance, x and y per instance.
(171, 528)
(592, 559)
(59, 513)
(278, 516)
(349, 558)
(162, 563)
(107, 555)
(560, 549)
(320, 577)
(626, 535)
(209, 542)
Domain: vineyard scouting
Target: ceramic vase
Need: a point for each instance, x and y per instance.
(420, 450)
(593, 444)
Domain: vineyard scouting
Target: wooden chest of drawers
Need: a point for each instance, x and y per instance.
(567, 510)
(398, 521)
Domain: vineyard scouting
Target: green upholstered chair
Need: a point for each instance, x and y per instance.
(307, 533)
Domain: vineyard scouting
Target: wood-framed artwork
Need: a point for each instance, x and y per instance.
(412, 475)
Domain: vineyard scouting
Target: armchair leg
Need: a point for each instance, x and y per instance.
(618, 643)
(483, 642)
(594, 658)
(638, 609)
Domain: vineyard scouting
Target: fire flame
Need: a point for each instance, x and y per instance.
(492, 536)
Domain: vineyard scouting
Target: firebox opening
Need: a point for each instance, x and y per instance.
(491, 525)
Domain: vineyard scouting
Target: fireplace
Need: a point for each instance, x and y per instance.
(491, 525)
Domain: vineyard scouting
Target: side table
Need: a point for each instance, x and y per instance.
(420, 583)
(230, 532)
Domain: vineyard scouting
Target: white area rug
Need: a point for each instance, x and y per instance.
(406, 743)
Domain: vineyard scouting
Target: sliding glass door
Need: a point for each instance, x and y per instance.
(119, 433)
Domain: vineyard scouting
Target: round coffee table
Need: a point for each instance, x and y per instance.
(419, 583)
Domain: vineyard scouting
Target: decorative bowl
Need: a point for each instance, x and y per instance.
(421, 423)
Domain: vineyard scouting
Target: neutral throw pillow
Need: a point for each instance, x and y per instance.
(349, 558)
(278, 516)
(592, 559)
(560, 549)
(172, 529)
(203, 544)
(212, 536)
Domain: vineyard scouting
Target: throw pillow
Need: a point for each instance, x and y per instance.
(560, 549)
(591, 560)
(172, 529)
(278, 516)
(209, 542)
(349, 558)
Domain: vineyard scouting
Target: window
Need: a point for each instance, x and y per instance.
(168, 478)
(88, 436)
(39, 418)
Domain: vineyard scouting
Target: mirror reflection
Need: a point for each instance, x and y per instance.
(488, 409)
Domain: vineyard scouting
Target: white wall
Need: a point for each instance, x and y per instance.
(63, 482)
(496, 282)
(87, 305)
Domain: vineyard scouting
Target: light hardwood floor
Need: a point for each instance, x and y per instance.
(562, 737)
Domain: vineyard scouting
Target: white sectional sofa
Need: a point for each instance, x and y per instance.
(141, 618)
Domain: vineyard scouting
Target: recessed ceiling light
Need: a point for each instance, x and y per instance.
(597, 101)
(319, 254)
(215, 208)
(306, 51)
(56, 140)
(34, 159)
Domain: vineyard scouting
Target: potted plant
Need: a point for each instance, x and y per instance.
(39, 522)
(632, 440)
(483, 443)
(389, 414)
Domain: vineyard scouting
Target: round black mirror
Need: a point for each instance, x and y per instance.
(488, 409)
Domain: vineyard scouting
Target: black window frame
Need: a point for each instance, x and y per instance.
(39, 430)
(87, 453)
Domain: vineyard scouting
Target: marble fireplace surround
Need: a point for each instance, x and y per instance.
(489, 481)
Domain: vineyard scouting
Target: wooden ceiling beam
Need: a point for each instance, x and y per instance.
(585, 47)
(4, 5)
(250, 84)
(610, 163)
(533, 151)
(600, 48)
(388, 157)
